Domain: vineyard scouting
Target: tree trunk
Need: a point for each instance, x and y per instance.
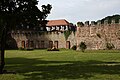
(3, 42)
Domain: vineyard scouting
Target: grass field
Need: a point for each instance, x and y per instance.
(62, 65)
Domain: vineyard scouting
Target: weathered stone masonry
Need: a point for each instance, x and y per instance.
(94, 35)
(45, 39)
(97, 35)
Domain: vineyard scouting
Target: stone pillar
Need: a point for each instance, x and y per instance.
(99, 22)
(113, 22)
(92, 23)
(106, 22)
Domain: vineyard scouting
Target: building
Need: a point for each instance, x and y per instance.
(62, 34)
(53, 34)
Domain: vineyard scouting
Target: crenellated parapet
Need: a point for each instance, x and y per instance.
(98, 23)
(87, 23)
(97, 34)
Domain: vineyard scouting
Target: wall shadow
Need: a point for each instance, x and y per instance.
(36, 69)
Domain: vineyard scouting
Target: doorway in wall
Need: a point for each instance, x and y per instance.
(56, 44)
(68, 44)
(23, 44)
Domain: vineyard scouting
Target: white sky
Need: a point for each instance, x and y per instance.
(81, 10)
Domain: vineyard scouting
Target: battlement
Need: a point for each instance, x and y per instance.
(98, 23)
(98, 34)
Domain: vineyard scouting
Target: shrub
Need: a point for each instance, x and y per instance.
(83, 46)
(49, 49)
(20, 48)
(74, 47)
(109, 46)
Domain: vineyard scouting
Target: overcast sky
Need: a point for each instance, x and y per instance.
(81, 10)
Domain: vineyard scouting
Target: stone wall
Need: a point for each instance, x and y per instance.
(97, 35)
(42, 39)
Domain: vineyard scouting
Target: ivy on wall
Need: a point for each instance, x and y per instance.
(67, 34)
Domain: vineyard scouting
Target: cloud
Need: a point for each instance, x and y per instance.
(82, 10)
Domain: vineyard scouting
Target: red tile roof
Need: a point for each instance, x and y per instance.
(57, 22)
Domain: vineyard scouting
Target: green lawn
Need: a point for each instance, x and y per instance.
(62, 65)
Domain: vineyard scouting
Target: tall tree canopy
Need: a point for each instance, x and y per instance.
(22, 13)
(110, 18)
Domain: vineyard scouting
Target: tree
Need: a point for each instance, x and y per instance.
(80, 24)
(22, 13)
(110, 18)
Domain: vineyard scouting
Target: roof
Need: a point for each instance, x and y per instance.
(57, 22)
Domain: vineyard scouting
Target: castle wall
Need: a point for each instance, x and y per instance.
(96, 36)
(42, 40)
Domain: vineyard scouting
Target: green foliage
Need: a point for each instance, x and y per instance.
(21, 48)
(109, 46)
(110, 18)
(83, 46)
(67, 34)
(74, 47)
(19, 13)
(80, 24)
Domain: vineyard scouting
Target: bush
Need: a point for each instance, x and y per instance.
(74, 47)
(49, 49)
(109, 46)
(21, 48)
(83, 46)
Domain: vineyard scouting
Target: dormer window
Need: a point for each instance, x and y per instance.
(66, 28)
(48, 28)
(53, 28)
(57, 28)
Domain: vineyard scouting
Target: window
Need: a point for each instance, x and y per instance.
(56, 44)
(57, 28)
(23, 44)
(27, 43)
(68, 44)
(50, 44)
